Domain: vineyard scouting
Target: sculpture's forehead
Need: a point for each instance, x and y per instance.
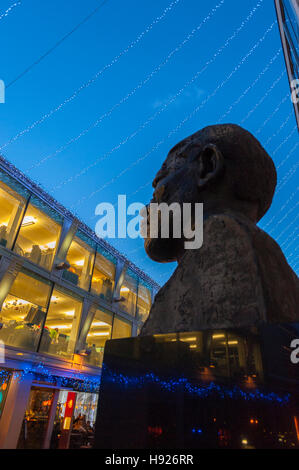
(197, 141)
(180, 152)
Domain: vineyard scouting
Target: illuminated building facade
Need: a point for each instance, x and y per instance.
(63, 293)
(288, 20)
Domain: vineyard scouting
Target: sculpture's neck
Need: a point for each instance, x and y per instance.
(209, 213)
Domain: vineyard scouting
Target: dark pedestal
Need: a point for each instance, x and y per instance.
(205, 389)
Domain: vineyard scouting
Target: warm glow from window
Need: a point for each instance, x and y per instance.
(121, 328)
(129, 292)
(102, 282)
(144, 302)
(99, 333)
(80, 262)
(11, 212)
(38, 237)
(99, 323)
(23, 312)
(70, 313)
(61, 329)
(28, 220)
(124, 289)
(80, 257)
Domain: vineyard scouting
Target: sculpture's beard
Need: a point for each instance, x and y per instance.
(163, 250)
(166, 250)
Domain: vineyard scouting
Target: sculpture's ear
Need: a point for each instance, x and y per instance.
(210, 165)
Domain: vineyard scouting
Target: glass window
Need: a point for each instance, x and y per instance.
(23, 312)
(80, 257)
(244, 356)
(99, 332)
(35, 423)
(129, 292)
(12, 207)
(61, 328)
(218, 353)
(39, 235)
(86, 407)
(121, 328)
(84, 417)
(103, 277)
(144, 302)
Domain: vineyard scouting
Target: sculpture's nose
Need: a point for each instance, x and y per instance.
(158, 193)
(160, 175)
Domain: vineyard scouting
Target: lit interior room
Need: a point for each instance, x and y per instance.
(121, 328)
(62, 323)
(99, 332)
(143, 303)
(103, 277)
(80, 257)
(11, 211)
(23, 312)
(38, 237)
(129, 292)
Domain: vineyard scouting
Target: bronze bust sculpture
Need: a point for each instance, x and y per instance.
(239, 277)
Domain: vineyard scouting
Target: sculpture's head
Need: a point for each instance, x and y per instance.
(222, 166)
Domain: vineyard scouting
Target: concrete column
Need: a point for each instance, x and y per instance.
(120, 272)
(9, 268)
(13, 224)
(14, 411)
(52, 414)
(134, 329)
(68, 231)
(88, 313)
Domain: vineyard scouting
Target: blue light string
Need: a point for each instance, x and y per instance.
(173, 384)
(80, 382)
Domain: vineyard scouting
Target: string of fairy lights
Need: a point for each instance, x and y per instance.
(277, 222)
(174, 383)
(288, 156)
(281, 210)
(94, 78)
(284, 141)
(163, 107)
(280, 185)
(9, 10)
(179, 126)
(266, 121)
(284, 179)
(292, 238)
(276, 225)
(263, 97)
(56, 45)
(249, 88)
(282, 125)
(140, 85)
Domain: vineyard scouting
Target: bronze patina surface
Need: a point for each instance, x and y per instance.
(239, 277)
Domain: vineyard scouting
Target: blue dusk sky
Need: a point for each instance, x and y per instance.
(96, 117)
